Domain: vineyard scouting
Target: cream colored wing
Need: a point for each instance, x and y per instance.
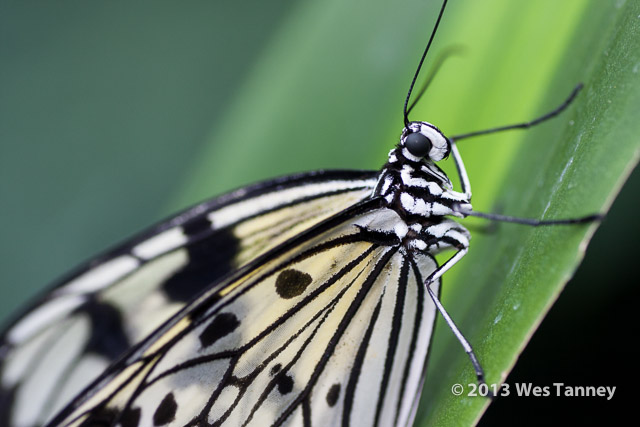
(96, 314)
(330, 328)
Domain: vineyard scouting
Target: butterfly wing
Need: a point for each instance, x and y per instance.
(94, 315)
(331, 327)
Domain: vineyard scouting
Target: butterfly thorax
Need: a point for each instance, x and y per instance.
(421, 193)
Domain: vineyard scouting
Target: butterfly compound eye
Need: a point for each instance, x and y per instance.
(418, 144)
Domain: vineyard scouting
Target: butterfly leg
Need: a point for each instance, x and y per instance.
(465, 343)
(525, 125)
(462, 171)
(466, 187)
(531, 221)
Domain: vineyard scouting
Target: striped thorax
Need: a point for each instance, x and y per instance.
(421, 193)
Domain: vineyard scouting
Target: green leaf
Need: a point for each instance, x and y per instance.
(570, 168)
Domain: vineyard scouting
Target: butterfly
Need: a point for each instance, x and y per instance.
(294, 301)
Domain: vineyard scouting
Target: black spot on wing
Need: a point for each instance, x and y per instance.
(222, 325)
(291, 283)
(209, 259)
(166, 411)
(275, 369)
(333, 394)
(284, 383)
(130, 417)
(108, 337)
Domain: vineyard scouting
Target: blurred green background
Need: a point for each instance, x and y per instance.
(113, 115)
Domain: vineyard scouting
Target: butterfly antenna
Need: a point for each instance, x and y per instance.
(424, 55)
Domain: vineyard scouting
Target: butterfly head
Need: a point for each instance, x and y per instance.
(412, 183)
(422, 140)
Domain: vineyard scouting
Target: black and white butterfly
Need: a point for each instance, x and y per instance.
(305, 300)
